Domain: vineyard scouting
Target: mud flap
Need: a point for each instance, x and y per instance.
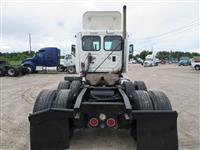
(49, 130)
(156, 130)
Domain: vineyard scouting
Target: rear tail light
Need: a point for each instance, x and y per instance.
(94, 122)
(111, 122)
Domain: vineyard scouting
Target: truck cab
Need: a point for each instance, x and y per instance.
(100, 46)
(151, 60)
(68, 63)
(45, 57)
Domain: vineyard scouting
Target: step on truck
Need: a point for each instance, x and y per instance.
(102, 96)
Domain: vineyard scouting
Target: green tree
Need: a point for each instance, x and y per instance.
(130, 56)
(144, 53)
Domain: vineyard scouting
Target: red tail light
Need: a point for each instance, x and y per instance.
(94, 122)
(111, 122)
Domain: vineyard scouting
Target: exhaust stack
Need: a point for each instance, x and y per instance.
(124, 21)
(124, 53)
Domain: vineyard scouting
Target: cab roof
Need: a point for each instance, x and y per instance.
(102, 20)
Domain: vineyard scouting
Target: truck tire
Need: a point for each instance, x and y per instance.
(75, 84)
(197, 67)
(2, 71)
(44, 100)
(63, 85)
(24, 70)
(71, 69)
(140, 85)
(61, 68)
(129, 88)
(159, 100)
(142, 100)
(12, 72)
(30, 68)
(62, 99)
(75, 87)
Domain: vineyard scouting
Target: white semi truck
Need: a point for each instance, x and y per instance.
(102, 96)
(151, 60)
(68, 64)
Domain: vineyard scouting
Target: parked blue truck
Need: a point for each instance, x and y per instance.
(45, 57)
(184, 61)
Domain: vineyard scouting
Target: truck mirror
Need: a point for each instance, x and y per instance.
(131, 49)
(73, 49)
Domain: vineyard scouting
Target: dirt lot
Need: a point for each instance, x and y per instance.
(181, 84)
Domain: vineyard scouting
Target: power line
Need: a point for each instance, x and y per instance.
(188, 26)
(166, 36)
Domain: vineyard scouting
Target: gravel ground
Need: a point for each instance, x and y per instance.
(181, 84)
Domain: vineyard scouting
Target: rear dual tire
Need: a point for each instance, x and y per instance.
(65, 100)
(131, 87)
(160, 100)
(151, 100)
(74, 87)
(44, 100)
(141, 101)
(63, 85)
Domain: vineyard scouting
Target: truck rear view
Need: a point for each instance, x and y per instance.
(102, 96)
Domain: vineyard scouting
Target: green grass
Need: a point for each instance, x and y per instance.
(14, 62)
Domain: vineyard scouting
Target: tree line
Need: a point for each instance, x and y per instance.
(168, 55)
(15, 57)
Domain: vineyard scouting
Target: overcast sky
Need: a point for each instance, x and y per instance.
(152, 25)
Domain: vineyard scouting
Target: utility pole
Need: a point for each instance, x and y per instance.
(30, 42)
(152, 50)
